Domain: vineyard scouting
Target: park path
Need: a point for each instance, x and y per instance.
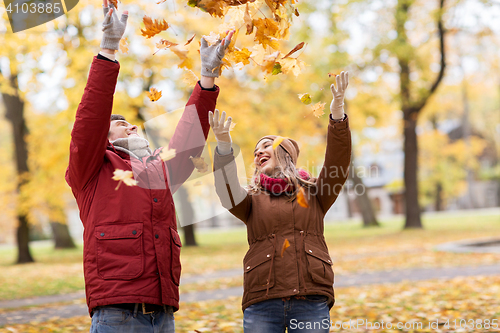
(78, 308)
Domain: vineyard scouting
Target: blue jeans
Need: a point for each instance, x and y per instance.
(115, 320)
(310, 315)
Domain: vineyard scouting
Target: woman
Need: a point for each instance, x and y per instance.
(288, 278)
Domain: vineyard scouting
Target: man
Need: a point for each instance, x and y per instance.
(131, 246)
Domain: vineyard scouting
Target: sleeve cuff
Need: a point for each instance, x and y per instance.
(214, 88)
(100, 56)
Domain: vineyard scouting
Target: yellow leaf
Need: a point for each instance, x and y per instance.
(242, 56)
(277, 141)
(301, 198)
(182, 54)
(167, 154)
(267, 32)
(305, 98)
(199, 164)
(212, 38)
(124, 45)
(124, 176)
(154, 94)
(318, 109)
(153, 27)
(292, 65)
(269, 61)
(190, 78)
(286, 245)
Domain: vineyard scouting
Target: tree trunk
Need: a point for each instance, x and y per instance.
(362, 199)
(62, 237)
(438, 205)
(187, 216)
(412, 206)
(14, 107)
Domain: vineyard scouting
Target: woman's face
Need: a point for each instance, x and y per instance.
(264, 158)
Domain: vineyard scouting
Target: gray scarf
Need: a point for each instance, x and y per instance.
(134, 146)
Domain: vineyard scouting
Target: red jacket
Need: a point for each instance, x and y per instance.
(131, 244)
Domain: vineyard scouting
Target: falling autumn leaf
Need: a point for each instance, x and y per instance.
(318, 109)
(305, 98)
(286, 245)
(153, 27)
(212, 38)
(124, 45)
(292, 65)
(301, 198)
(164, 44)
(277, 141)
(276, 69)
(269, 61)
(186, 62)
(232, 126)
(126, 177)
(199, 164)
(115, 3)
(190, 78)
(295, 49)
(167, 155)
(248, 21)
(190, 40)
(242, 56)
(331, 74)
(154, 94)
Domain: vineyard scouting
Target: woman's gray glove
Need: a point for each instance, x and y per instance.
(113, 28)
(211, 56)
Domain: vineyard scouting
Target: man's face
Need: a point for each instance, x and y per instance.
(119, 129)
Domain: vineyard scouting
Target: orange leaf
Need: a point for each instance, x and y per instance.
(153, 27)
(190, 40)
(286, 245)
(154, 94)
(295, 49)
(301, 198)
(242, 56)
(164, 44)
(199, 163)
(115, 3)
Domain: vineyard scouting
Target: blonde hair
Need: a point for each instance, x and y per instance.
(285, 169)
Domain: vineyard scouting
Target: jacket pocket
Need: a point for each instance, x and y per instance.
(120, 253)
(319, 265)
(257, 269)
(175, 245)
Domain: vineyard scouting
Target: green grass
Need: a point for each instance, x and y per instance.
(353, 248)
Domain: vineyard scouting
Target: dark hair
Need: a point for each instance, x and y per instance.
(117, 117)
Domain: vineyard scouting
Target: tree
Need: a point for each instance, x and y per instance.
(14, 113)
(412, 103)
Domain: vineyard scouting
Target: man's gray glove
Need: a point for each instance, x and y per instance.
(113, 28)
(211, 57)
